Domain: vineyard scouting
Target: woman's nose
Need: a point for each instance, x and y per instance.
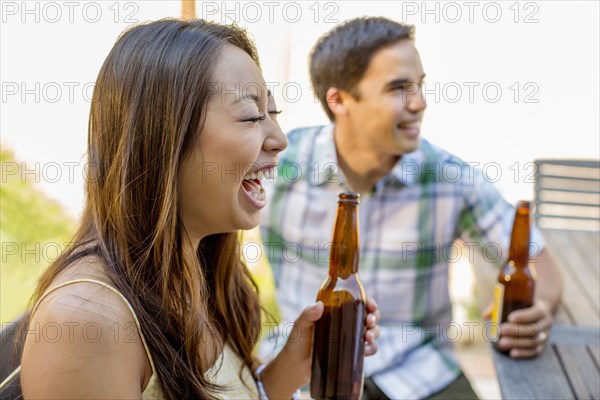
(276, 141)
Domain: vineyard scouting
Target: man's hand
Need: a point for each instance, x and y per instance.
(527, 330)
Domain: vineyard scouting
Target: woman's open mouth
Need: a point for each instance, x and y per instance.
(253, 188)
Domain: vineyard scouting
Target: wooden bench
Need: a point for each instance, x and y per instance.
(567, 194)
(569, 366)
(567, 209)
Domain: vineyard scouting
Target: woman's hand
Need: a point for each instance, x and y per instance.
(291, 368)
(372, 333)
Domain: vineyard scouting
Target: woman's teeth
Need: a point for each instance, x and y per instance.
(253, 185)
(259, 196)
(270, 174)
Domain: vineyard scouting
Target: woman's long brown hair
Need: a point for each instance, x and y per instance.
(147, 111)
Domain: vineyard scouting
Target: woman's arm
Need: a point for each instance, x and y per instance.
(82, 343)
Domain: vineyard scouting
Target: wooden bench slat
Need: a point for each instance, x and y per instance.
(544, 196)
(585, 211)
(558, 223)
(574, 336)
(590, 245)
(537, 370)
(577, 260)
(578, 174)
(567, 184)
(578, 308)
(581, 370)
(558, 216)
(595, 352)
(563, 316)
(580, 163)
(580, 171)
(586, 248)
(581, 287)
(572, 190)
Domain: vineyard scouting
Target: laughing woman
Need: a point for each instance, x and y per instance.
(154, 301)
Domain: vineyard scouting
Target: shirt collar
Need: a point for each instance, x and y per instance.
(407, 168)
(324, 166)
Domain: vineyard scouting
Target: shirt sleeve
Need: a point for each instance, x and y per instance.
(487, 218)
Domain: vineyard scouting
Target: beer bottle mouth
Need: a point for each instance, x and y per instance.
(523, 207)
(349, 197)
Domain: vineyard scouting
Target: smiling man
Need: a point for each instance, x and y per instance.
(367, 74)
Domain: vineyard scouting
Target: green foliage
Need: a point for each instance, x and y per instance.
(33, 229)
(263, 276)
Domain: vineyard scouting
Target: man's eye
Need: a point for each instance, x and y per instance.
(275, 113)
(409, 86)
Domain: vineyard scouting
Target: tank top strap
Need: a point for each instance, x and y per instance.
(115, 291)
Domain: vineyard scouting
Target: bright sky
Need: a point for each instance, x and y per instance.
(507, 81)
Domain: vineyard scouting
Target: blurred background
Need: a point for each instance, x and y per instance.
(507, 82)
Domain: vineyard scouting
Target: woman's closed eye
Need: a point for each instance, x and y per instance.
(274, 113)
(255, 119)
(261, 117)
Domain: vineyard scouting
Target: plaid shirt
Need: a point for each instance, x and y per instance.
(408, 225)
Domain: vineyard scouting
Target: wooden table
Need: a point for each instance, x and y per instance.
(569, 367)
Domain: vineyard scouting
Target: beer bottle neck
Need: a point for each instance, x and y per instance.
(344, 254)
(519, 240)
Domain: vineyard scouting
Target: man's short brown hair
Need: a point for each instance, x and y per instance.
(341, 57)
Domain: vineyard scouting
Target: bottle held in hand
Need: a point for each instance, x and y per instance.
(338, 342)
(516, 281)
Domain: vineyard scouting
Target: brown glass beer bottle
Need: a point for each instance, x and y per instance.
(338, 341)
(516, 281)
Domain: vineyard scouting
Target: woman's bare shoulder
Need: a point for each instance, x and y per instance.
(82, 341)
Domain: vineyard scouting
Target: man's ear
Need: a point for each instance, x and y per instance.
(336, 100)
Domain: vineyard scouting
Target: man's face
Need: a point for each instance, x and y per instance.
(387, 116)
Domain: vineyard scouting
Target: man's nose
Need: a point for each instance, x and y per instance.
(417, 102)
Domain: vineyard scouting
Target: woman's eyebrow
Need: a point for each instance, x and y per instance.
(247, 96)
(251, 97)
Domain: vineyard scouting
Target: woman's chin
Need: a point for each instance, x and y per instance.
(248, 222)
